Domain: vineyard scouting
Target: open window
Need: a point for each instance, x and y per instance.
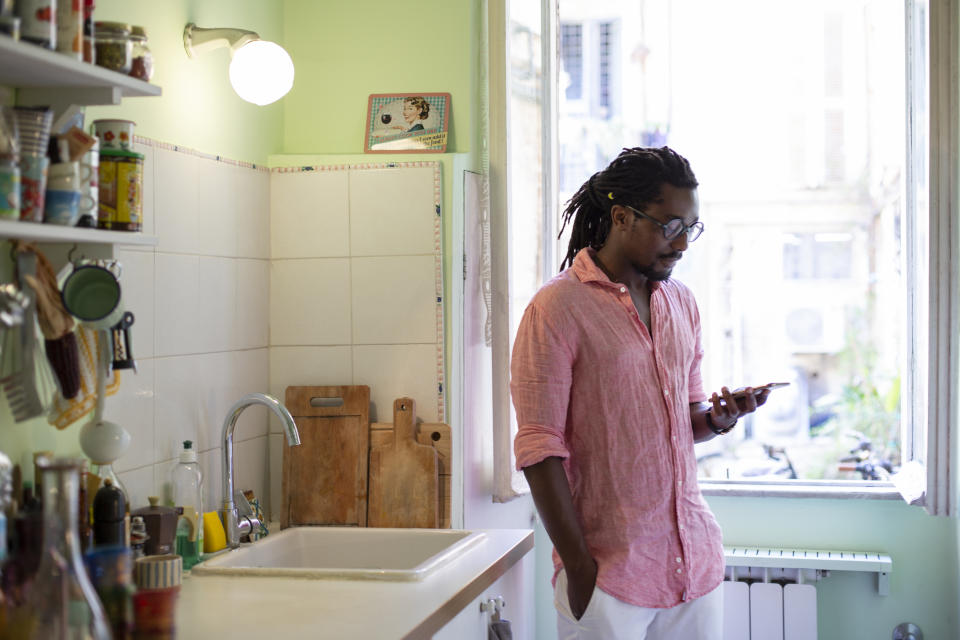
(824, 137)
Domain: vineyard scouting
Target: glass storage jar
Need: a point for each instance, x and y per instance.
(142, 65)
(114, 47)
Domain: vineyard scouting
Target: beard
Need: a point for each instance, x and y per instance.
(650, 272)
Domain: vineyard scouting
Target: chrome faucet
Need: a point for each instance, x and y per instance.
(234, 525)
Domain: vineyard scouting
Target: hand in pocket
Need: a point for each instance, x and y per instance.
(580, 585)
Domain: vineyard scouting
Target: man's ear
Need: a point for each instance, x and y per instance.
(619, 215)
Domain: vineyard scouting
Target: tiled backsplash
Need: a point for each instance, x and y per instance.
(200, 298)
(260, 281)
(355, 286)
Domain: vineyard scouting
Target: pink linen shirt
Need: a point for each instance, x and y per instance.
(591, 385)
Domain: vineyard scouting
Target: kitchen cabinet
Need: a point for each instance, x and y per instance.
(471, 622)
(43, 77)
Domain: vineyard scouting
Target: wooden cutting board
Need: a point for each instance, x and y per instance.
(325, 478)
(438, 436)
(404, 487)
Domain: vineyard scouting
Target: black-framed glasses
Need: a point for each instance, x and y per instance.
(673, 229)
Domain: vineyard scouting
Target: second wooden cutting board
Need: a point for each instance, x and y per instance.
(403, 489)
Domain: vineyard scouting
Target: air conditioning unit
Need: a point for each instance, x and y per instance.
(815, 329)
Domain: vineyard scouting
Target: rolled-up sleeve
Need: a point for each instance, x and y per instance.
(540, 375)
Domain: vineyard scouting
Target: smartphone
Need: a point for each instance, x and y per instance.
(763, 387)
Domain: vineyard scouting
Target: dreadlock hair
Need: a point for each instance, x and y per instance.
(634, 178)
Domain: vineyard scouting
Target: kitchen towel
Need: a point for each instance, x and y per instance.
(499, 630)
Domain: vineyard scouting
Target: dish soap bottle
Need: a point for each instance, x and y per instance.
(187, 484)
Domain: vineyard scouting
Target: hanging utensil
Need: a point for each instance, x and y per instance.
(20, 385)
(122, 347)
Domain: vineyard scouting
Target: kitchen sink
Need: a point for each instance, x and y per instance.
(343, 552)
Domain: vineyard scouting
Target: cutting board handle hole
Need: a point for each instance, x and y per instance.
(435, 436)
(326, 402)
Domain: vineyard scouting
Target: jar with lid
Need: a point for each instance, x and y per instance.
(114, 47)
(142, 65)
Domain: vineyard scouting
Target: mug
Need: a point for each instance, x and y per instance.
(91, 293)
(64, 176)
(62, 206)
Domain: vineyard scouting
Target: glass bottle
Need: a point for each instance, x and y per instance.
(62, 602)
(142, 58)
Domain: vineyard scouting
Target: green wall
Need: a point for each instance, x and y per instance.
(923, 583)
(344, 51)
(198, 108)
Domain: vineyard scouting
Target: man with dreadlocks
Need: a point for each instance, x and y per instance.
(605, 379)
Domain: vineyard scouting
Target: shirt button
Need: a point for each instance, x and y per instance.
(666, 393)
(679, 570)
(678, 559)
(679, 483)
(681, 527)
(623, 289)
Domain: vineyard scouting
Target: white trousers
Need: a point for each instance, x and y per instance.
(607, 618)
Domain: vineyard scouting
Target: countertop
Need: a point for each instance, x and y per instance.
(276, 607)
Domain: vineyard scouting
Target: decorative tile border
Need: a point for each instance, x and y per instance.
(156, 144)
(437, 214)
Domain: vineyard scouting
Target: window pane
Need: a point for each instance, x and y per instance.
(793, 118)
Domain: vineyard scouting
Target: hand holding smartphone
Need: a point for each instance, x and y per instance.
(739, 393)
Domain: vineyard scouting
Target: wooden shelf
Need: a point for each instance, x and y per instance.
(36, 232)
(42, 76)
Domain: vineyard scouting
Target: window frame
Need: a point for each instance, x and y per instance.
(932, 432)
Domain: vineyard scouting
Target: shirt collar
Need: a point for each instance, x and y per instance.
(587, 270)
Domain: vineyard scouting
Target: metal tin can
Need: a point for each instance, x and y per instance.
(121, 190)
(38, 21)
(70, 28)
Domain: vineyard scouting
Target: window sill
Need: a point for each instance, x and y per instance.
(801, 489)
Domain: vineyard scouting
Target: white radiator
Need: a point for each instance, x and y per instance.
(766, 595)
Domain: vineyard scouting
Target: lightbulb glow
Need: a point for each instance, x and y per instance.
(261, 72)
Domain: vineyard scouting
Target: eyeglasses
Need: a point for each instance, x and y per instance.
(673, 229)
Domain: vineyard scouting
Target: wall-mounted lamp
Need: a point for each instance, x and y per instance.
(261, 72)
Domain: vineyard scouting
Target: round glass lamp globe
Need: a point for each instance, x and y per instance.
(261, 72)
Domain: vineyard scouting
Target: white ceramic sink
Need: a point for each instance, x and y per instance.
(343, 552)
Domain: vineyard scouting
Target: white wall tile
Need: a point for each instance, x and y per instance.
(249, 373)
(395, 371)
(216, 311)
(177, 208)
(216, 208)
(252, 212)
(210, 462)
(394, 300)
(251, 466)
(310, 302)
(274, 505)
(309, 214)
(140, 483)
(307, 366)
(137, 287)
(388, 215)
(178, 304)
(253, 304)
(182, 391)
(132, 407)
